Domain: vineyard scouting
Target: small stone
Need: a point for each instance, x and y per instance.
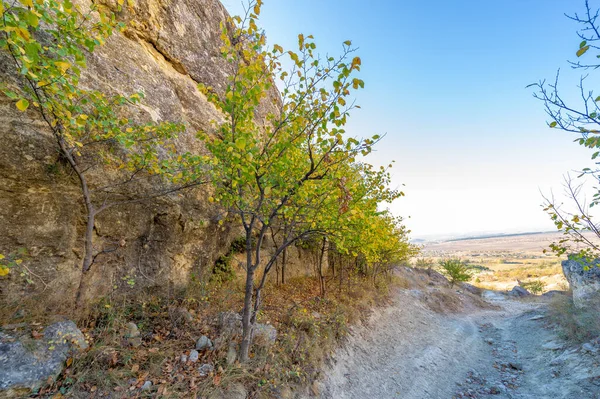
(515, 366)
(315, 388)
(182, 314)
(147, 385)
(194, 356)
(489, 341)
(205, 369)
(552, 346)
(204, 343)
(183, 359)
(132, 330)
(589, 348)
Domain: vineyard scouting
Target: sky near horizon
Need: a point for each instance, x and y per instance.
(446, 83)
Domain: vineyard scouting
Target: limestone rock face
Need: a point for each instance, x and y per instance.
(584, 279)
(167, 48)
(26, 364)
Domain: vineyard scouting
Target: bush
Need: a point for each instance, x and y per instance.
(455, 270)
(238, 246)
(223, 269)
(535, 286)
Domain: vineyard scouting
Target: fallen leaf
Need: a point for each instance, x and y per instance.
(135, 368)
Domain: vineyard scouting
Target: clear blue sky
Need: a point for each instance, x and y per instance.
(445, 80)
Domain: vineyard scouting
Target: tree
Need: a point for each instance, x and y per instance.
(291, 164)
(455, 270)
(115, 160)
(584, 120)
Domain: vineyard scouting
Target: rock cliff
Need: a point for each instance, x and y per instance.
(167, 48)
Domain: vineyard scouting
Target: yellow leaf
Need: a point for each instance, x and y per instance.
(22, 104)
(62, 65)
(19, 261)
(1, 256)
(28, 3)
(4, 271)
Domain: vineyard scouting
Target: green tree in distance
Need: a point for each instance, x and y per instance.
(455, 270)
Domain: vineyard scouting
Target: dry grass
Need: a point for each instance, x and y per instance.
(499, 263)
(575, 324)
(309, 329)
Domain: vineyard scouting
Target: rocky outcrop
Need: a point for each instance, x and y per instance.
(518, 291)
(26, 363)
(584, 279)
(166, 49)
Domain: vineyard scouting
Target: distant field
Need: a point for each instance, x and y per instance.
(498, 262)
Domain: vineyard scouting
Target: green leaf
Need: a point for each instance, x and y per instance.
(22, 104)
(11, 94)
(582, 44)
(553, 124)
(240, 143)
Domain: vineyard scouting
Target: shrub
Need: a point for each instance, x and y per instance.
(223, 269)
(455, 270)
(535, 286)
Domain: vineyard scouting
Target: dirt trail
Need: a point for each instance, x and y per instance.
(409, 351)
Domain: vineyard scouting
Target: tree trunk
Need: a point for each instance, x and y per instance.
(247, 314)
(283, 260)
(320, 268)
(276, 272)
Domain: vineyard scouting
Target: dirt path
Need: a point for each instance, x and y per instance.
(411, 352)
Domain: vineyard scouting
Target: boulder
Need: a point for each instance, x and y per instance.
(264, 334)
(26, 364)
(553, 293)
(584, 279)
(230, 325)
(519, 291)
